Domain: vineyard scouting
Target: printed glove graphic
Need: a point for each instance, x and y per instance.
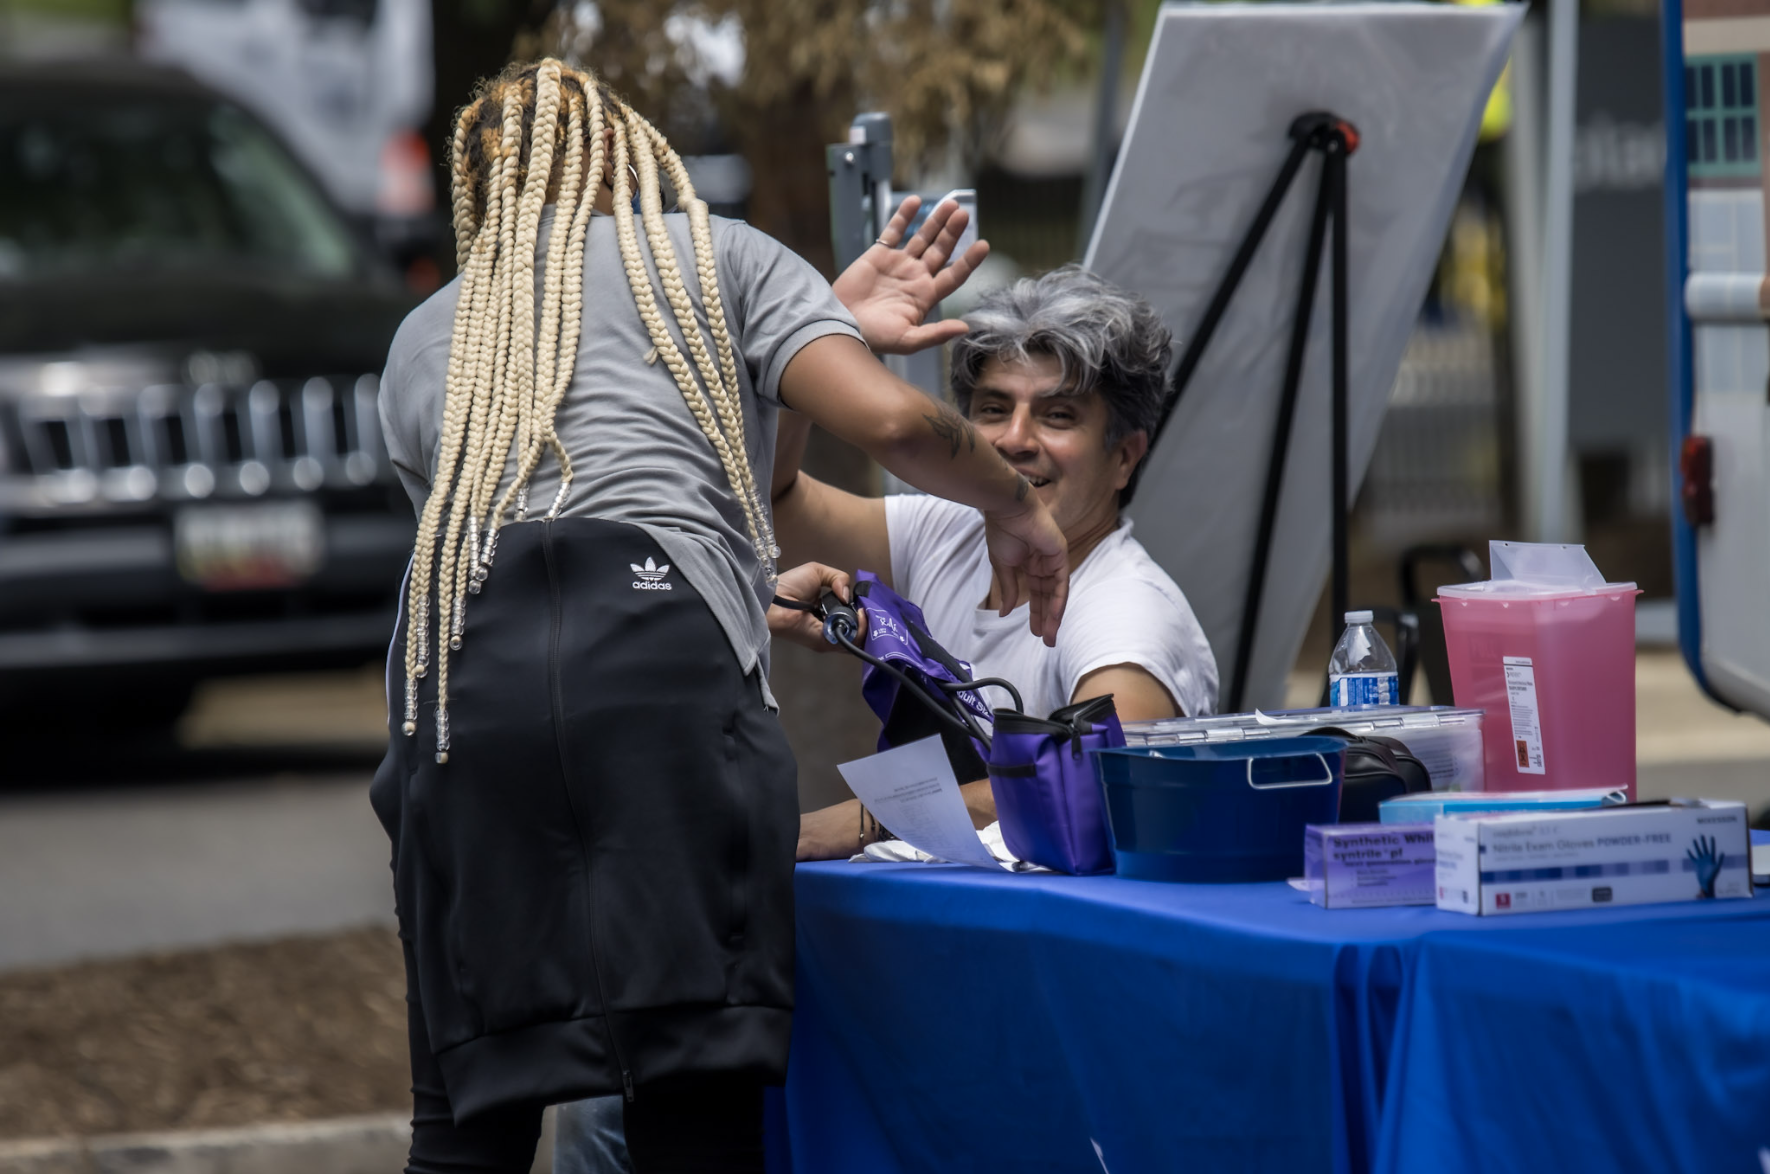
(1707, 862)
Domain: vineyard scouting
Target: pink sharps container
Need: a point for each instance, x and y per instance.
(1547, 648)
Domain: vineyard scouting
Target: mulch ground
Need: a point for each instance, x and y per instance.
(289, 1030)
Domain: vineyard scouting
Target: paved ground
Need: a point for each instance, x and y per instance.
(153, 867)
(258, 824)
(255, 824)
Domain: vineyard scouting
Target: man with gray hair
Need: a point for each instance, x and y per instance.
(1064, 375)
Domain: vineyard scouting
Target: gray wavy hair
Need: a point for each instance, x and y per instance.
(1106, 339)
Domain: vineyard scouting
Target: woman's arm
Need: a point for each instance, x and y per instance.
(813, 520)
(840, 386)
(890, 292)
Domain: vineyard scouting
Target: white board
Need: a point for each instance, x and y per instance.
(1220, 87)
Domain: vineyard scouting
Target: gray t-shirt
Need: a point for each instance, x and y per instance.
(638, 456)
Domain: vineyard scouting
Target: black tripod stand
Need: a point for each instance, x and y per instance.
(1336, 139)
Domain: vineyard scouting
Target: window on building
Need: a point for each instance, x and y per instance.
(1721, 116)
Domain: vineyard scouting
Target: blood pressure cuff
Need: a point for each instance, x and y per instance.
(898, 635)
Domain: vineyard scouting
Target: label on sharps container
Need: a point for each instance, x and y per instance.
(1527, 731)
(1365, 689)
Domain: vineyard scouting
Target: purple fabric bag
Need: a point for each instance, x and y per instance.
(898, 635)
(1051, 806)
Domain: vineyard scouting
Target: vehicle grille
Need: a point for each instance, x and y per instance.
(182, 443)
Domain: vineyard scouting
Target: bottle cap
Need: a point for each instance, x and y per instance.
(1358, 617)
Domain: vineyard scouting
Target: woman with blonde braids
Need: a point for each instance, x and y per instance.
(592, 806)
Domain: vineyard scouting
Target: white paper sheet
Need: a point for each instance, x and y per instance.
(911, 790)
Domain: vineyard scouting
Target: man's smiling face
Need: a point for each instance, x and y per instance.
(1056, 438)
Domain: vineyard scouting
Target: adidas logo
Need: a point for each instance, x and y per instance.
(650, 576)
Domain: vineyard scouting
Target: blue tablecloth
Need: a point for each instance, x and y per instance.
(953, 1019)
(1619, 1047)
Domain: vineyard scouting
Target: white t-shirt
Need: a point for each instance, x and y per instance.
(1123, 609)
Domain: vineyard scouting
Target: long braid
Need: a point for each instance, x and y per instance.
(457, 396)
(482, 353)
(572, 287)
(518, 400)
(563, 297)
(501, 424)
(461, 185)
(562, 263)
(733, 458)
(542, 141)
(546, 352)
(500, 208)
(494, 351)
(540, 128)
(724, 387)
(468, 312)
(663, 252)
(451, 605)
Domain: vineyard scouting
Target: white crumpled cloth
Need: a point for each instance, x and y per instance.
(900, 852)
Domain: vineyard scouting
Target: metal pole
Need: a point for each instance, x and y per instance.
(1552, 516)
(1334, 179)
(1244, 254)
(1522, 192)
(1281, 440)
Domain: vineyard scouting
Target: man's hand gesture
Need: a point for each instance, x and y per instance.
(891, 290)
(1030, 562)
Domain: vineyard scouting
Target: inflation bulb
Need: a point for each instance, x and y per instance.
(841, 620)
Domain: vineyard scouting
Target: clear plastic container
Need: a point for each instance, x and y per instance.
(1446, 740)
(1547, 648)
(1362, 669)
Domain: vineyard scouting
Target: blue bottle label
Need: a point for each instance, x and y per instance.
(1365, 689)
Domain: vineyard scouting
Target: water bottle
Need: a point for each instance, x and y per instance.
(1362, 669)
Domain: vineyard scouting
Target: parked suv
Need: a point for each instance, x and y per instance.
(192, 478)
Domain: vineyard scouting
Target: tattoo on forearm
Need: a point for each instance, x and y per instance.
(1022, 487)
(953, 428)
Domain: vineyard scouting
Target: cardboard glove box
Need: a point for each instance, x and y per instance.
(1527, 862)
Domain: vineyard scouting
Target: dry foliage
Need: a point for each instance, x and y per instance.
(290, 1030)
(940, 67)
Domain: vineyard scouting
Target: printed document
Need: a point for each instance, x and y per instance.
(911, 790)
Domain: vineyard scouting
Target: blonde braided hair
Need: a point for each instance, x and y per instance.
(535, 134)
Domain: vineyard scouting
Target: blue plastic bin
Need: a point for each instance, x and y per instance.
(1218, 813)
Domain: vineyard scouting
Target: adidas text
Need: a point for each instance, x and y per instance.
(650, 576)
